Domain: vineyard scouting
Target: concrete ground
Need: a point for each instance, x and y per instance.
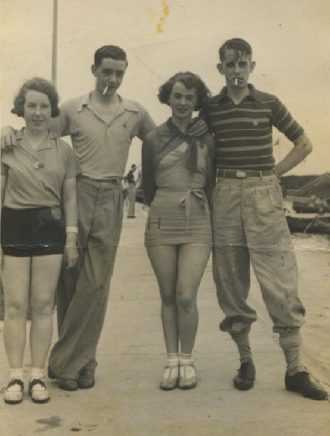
(126, 399)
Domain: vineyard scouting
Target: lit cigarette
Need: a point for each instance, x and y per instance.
(236, 81)
(105, 90)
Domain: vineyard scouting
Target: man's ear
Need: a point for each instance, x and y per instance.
(252, 66)
(220, 68)
(93, 70)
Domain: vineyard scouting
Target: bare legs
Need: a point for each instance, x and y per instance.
(16, 283)
(45, 271)
(179, 270)
(163, 259)
(20, 274)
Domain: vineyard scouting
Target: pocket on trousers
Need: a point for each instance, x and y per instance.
(221, 199)
(276, 197)
(268, 198)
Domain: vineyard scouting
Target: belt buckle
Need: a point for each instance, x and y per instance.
(241, 174)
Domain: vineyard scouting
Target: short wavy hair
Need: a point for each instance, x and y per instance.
(40, 85)
(190, 80)
(109, 51)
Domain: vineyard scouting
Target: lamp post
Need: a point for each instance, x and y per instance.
(54, 42)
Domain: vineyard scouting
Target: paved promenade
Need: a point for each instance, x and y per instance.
(126, 400)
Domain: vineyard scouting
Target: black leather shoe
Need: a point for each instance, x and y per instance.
(86, 378)
(302, 384)
(63, 383)
(67, 384)
(245, 376)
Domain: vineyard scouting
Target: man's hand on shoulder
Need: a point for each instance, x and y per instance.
(7, 138)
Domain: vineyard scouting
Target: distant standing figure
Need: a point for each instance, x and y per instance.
(131, 191)
(177, 175)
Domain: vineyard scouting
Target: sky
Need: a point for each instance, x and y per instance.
(290, 40)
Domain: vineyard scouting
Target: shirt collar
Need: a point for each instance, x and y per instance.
(253, 94)
(49, 141)
(126, 104)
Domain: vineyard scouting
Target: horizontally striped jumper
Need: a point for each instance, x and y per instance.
(243, 132)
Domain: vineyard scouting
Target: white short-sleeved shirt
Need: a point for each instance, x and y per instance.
(35, 177)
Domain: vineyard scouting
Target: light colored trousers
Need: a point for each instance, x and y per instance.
(83, 291)
(131, 194)
(249, 226)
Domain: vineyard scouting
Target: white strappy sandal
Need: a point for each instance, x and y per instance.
(169, 379)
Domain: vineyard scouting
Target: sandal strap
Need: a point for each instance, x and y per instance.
(170, 365)
(170, 369)
(184, 367)
(16, 381)
(34, 382)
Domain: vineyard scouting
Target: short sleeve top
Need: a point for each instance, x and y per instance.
(35, 177)
(102, 146)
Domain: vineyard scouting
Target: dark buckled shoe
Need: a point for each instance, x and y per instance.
(38, 391)
(86, 378)
(302, 384)
(67, 384)
(245, 376)
(14, 391)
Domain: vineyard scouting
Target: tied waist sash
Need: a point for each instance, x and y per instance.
(185, 201)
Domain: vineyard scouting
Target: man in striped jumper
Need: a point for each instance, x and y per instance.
(248, 219)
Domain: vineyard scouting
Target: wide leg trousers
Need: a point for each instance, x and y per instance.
(83, 291)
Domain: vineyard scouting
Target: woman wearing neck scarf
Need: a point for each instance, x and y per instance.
(178, 175)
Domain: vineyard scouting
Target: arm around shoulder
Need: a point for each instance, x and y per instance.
(146, 124)
(60, 125)
(211, 167)
(148, 175)
(8, 137)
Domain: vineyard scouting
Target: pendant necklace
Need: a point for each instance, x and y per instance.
(37, 163)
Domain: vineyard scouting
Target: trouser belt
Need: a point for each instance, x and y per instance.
(114, 181)
(243, 174)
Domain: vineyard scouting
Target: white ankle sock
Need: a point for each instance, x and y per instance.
(172, 359)
(16, 373)
(186, 358)
(37, 373)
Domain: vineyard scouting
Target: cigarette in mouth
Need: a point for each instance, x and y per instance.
(105, 90)
(236, 81)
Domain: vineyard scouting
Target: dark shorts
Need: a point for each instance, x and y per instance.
(32, 232)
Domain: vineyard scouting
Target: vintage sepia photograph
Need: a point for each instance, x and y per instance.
(165, 218)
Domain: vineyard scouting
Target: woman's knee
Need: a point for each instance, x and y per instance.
(15, 309)
(42, 306)
(186, 301)
(168, 298)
